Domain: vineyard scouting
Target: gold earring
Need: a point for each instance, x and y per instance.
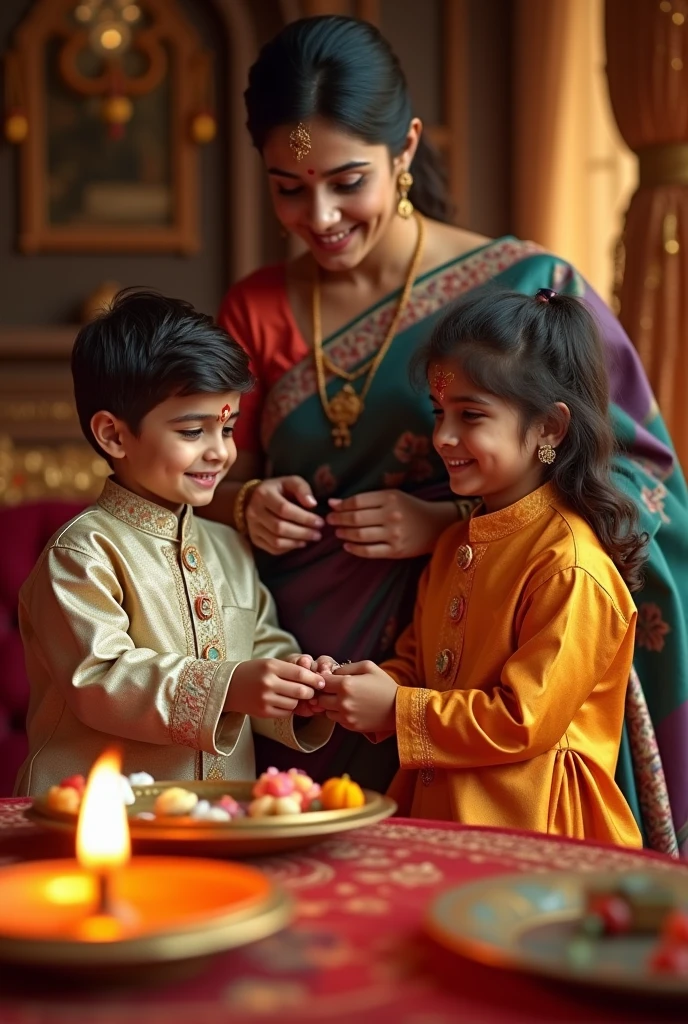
(546, 454)
(404, 206)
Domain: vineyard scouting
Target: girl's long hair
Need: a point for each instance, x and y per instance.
(345, 71)
(533, 354)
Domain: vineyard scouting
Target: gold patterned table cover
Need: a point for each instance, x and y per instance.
(356, 950)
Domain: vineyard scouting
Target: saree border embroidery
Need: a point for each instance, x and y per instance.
(649, 771)
(359, 341)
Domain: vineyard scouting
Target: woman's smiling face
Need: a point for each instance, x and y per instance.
(340, 198)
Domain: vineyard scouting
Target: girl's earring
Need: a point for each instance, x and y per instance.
(546, 454)
(404, 205)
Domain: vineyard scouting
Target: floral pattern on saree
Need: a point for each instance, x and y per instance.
(651, 628)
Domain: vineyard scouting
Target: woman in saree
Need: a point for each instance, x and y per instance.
(337, 484)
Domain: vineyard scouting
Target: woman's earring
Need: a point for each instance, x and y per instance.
(546, 454)
(404, 206)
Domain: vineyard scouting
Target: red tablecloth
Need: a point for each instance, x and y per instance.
(356, 950)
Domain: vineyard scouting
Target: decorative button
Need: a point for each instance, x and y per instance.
(204, 607)
(191, 557)
(443, 661)
(427, 776)
(457, 606)
(212, 652)
(464, 556)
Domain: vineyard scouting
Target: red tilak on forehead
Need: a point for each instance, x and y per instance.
(311, 171)
(440, 380)
(225, 413)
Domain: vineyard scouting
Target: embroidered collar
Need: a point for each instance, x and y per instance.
(494, 525)
(144, 515)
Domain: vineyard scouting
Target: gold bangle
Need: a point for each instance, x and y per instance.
(240, 503)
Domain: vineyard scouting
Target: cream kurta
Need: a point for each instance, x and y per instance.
(513, 677)
(133, 622)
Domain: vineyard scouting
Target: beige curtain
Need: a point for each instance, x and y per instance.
(647, 67)
(573, 172)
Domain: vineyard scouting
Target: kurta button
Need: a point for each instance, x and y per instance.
(443, 661)
(464, 556)
(204, 607)
(191, 557)
(211, 652)
(457, 607)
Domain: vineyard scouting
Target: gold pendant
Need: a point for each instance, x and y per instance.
(344, 410)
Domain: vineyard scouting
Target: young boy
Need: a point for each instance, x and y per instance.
(142, 625)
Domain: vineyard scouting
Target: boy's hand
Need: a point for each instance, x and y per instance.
(269, 688)
(360, 697)
(305, 708)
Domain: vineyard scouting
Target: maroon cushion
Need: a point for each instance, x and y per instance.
(27, 529)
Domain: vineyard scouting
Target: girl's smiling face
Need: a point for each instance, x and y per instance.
(480, 438)
(341, 197)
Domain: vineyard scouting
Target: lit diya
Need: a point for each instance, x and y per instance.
(108, 910)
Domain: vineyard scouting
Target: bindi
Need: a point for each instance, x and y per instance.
(311, 171)
(440, 380)
(225, 413)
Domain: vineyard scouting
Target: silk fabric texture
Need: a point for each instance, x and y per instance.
(133, 623)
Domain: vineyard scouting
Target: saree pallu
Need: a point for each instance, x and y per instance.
(352, 608)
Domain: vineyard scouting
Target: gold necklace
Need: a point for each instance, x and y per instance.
(346, 407)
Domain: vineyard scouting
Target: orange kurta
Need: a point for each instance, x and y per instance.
(513, 677)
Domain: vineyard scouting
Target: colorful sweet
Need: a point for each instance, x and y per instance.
(64, 799)
(205, 811)
(274, 783)
(141, 779)
(175, 801)
(231, 806)
(637, 904)
(337, 794)
(77, 782)
(267, 805)
(305, 789)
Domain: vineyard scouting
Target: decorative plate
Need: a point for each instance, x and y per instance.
(243, 837)
(527, 922)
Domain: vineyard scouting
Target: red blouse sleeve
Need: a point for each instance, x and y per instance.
(235, 318)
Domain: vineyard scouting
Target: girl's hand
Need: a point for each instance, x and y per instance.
(360, 697)
(269, 688)
(276, 516)
(389, 524)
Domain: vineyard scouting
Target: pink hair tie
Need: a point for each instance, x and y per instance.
(545, 295)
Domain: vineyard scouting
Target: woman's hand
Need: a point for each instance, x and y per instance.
(360, 697)
(277, 518)
(389, 524)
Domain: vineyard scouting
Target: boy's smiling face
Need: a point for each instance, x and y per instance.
(183, 449)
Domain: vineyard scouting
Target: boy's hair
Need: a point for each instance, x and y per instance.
(146, 348)
(533, 354)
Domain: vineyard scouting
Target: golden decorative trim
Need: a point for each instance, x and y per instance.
(138, 513)
(190, 702)
(39, 472)
(663, 165)
(419, 702)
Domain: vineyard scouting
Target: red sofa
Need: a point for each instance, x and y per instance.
(26, 529)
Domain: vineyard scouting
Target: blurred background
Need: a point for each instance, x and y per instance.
(125, 161)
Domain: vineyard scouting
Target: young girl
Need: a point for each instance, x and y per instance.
(507, 691)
